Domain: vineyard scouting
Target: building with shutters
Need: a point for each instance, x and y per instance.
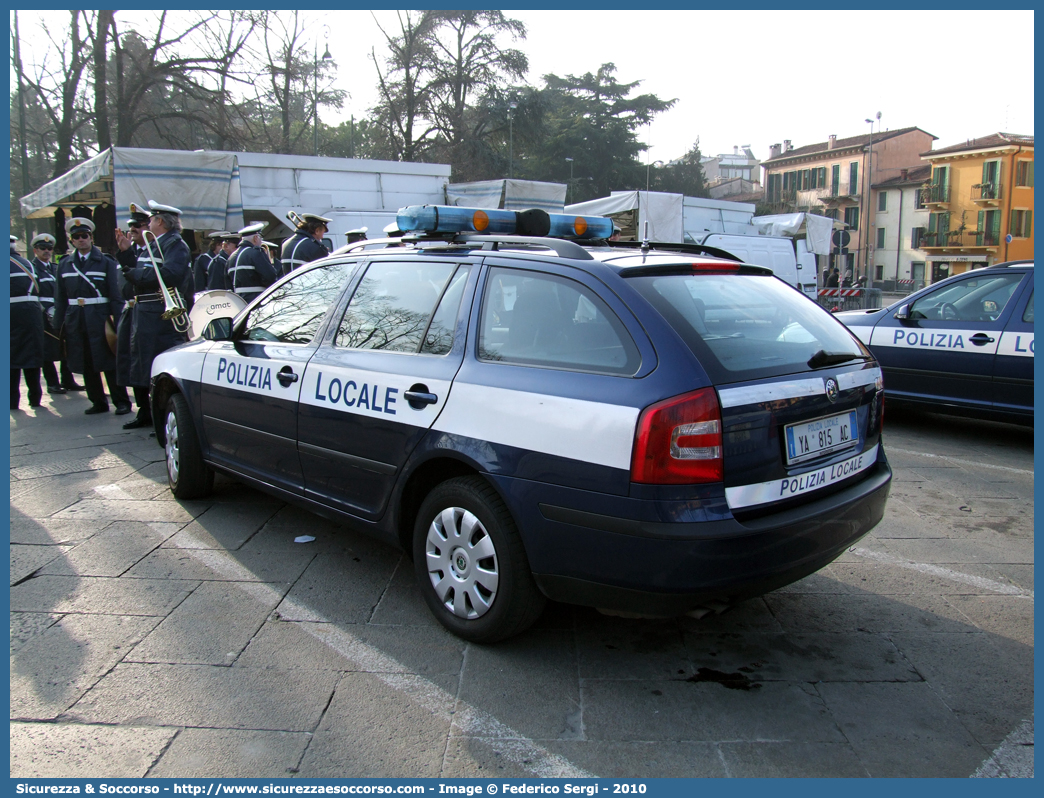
(980, 200)
(900, 220)
(831, 178)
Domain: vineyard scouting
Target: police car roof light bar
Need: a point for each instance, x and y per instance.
(450, 219)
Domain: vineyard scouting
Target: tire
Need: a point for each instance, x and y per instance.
(470, 563)
(188, 476)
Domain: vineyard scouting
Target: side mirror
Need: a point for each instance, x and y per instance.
(218, 330)
(903, 313)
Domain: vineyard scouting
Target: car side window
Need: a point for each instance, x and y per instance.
(438, 340)
(537, 319)
(975, 299)
(392, 306)
(1027, 316)
(292, 313)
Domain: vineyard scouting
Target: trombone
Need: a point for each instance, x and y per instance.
(174, 307)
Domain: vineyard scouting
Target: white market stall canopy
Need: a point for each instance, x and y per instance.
(815, 229)
(218, 190)
(508, 194)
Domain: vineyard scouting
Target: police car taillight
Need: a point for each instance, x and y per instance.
(678, 441)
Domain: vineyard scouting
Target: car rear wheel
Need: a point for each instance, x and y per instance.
(470, 563)
(188, 476)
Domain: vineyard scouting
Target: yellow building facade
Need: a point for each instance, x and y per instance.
(980, 197)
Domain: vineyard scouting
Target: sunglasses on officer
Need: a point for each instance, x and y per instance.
(76, 236)
(43, 245)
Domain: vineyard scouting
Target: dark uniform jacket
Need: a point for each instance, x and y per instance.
(300, 249)
(45, 275)
(249, 272)
(127, 259)
(82, 304)
(149, 333)
(27, 331)
(216, 272)
(201, 269)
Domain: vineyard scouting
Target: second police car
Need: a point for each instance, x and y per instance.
(646, 429)
(962, 346)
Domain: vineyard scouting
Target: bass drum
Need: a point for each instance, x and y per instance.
(210, 305)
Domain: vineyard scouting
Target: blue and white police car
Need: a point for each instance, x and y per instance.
(534, 412)
(962, 346)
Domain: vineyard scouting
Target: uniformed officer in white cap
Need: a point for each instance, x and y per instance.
(250, 271)
(27, 332)
(218, 266)
(44, 266)
(306, 244)
(150, 333)
(86, 297)
(392, 230)
(358, 234)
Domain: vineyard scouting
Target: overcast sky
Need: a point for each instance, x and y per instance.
(759, 77)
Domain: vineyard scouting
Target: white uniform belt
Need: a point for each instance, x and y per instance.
(89, 300)
(25, 299)
(47, 300)
(242, 269)
(249, 289)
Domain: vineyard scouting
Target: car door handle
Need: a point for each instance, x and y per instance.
(981, 339)
(419, 397)
(286, 376)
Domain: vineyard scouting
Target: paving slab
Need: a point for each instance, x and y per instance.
(111, 551)
(402, 603)
(100, 595)
(55, 668)
(707, 711)
(217, 565)
(866, 613)
(529, 683)
(341, 586)
(801, 657)
(981, 677)
(74, 751)
(372, 730)
(786, 760)
(101, 510)
(1009, 617)
(26, 560)
(214, 753)
(212, 626)
(354, 647)
(225, 526)
(207, 696)
(477, 757)
(911, 733)
(48, 531)
(27, 625)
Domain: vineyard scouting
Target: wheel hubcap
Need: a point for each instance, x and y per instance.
(462, 563)
(173, 453)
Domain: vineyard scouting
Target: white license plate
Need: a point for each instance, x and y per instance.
(811, 439)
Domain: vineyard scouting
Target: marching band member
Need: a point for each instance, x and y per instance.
(250, 271)
(306, 244)
(27, 330)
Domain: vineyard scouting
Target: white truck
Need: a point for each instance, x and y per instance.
(787, 244)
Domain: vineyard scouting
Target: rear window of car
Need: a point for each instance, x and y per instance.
(746, 326)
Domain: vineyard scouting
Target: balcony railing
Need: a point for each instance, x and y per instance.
(956, 238)
(985, 192)
(939, 194)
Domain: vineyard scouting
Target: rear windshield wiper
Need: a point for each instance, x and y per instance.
(824, 358)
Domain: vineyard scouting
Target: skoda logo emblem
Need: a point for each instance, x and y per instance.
(831, 389)
(461, 562)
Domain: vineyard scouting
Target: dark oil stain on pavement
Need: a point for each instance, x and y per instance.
(733, 681)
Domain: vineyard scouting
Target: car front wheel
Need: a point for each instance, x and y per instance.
(188, 476)
(470, 563)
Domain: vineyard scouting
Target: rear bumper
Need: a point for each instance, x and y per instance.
(669, 568)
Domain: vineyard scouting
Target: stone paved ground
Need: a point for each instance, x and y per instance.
(151, 637)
